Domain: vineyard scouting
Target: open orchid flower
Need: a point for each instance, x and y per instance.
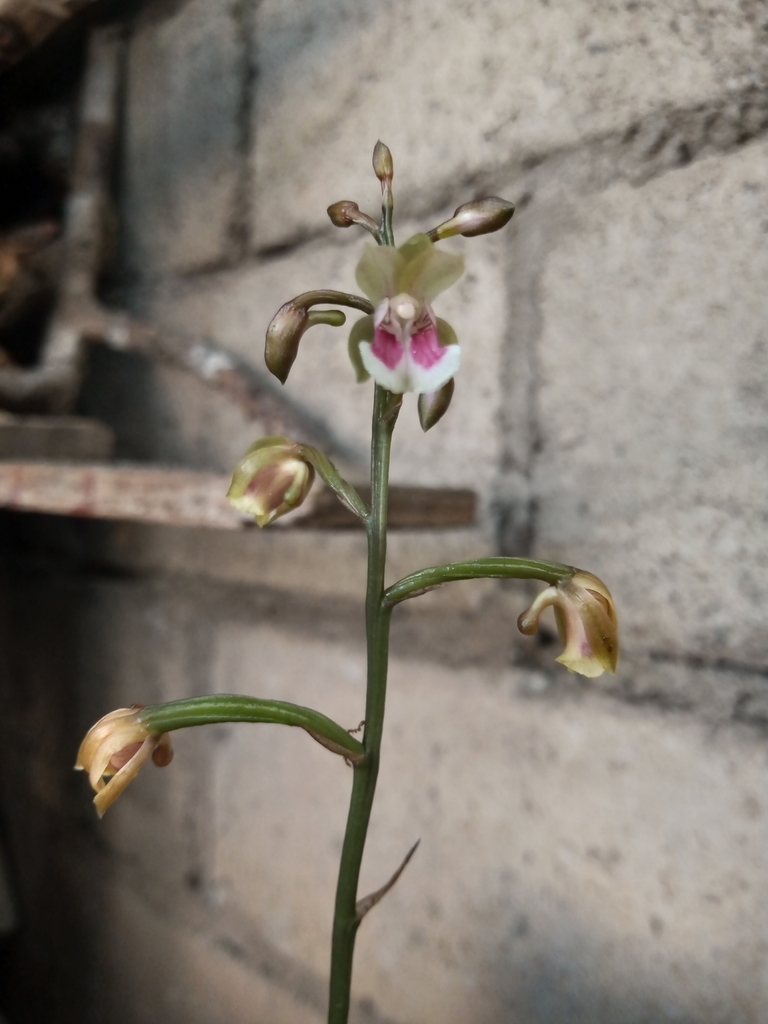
(586, 621)
(403, 345)
(115, 749)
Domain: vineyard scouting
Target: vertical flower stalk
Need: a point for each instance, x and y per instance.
(386, 407)
(404, 347)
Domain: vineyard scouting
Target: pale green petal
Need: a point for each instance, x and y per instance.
(415, 245)
(377, 272)
(431, 272)
(362, 330)
(445, 333)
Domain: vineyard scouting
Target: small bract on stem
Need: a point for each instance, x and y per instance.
(404, 347)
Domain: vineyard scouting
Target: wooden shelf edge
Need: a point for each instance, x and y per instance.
(179, 497)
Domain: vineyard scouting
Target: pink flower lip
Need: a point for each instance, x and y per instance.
(387, 348)
(426, 350)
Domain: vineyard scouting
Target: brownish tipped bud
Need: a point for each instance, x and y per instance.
(286, 329)
(383, 167)
(480, 217)
(433, 406)
(283, 337)
(344, 213)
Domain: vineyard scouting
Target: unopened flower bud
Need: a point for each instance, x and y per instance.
(285, 332)
(480, 217)
(343, 214)
(346, 213)
(586, 621)
(271, 479)
(115, 749)
(283, 337)
(383, 167)
(434, 405)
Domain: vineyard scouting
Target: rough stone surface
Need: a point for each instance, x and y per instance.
(581, 858)
(181, 172)
(572, 865)
(652, 361)
(458, 90)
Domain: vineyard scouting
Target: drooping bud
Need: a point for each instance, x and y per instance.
(343, 214)
(283, 337)
(272, 478)
(383, 166)
(480, 217)
(346, 213)
(433, 406)
(586, 621)
(285, 331)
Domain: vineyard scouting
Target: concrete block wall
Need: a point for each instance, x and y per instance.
(590, 851)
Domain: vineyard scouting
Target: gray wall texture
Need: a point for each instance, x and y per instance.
(591, 851)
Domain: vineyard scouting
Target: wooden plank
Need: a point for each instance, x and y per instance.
(175, 497)
(434, 508)
(146, 494)
(54, 437)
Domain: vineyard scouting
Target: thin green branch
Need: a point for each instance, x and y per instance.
(478, 568)
(332, 297)
(327, 472)
(232, 707)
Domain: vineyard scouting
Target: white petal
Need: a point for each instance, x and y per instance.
(422, 380)
(395, 380)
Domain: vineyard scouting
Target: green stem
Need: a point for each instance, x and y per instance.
(387, 207)
(478, 568)
(345, 921)
(232, 707)
(328, 295)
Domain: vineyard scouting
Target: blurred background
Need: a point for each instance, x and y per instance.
(591, 850)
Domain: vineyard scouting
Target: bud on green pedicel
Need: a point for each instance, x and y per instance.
(346, 213)
(283, 337)
(480, 217)
(271, 479)
(343, 213)
(285, 331)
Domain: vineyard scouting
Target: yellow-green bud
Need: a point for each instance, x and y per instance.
(383, 167)
(272, 478)
(480, 217)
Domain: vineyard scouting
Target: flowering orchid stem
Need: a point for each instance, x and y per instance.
(346, 919)
(478, 568)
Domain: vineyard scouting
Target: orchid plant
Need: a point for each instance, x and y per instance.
(404, 347)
